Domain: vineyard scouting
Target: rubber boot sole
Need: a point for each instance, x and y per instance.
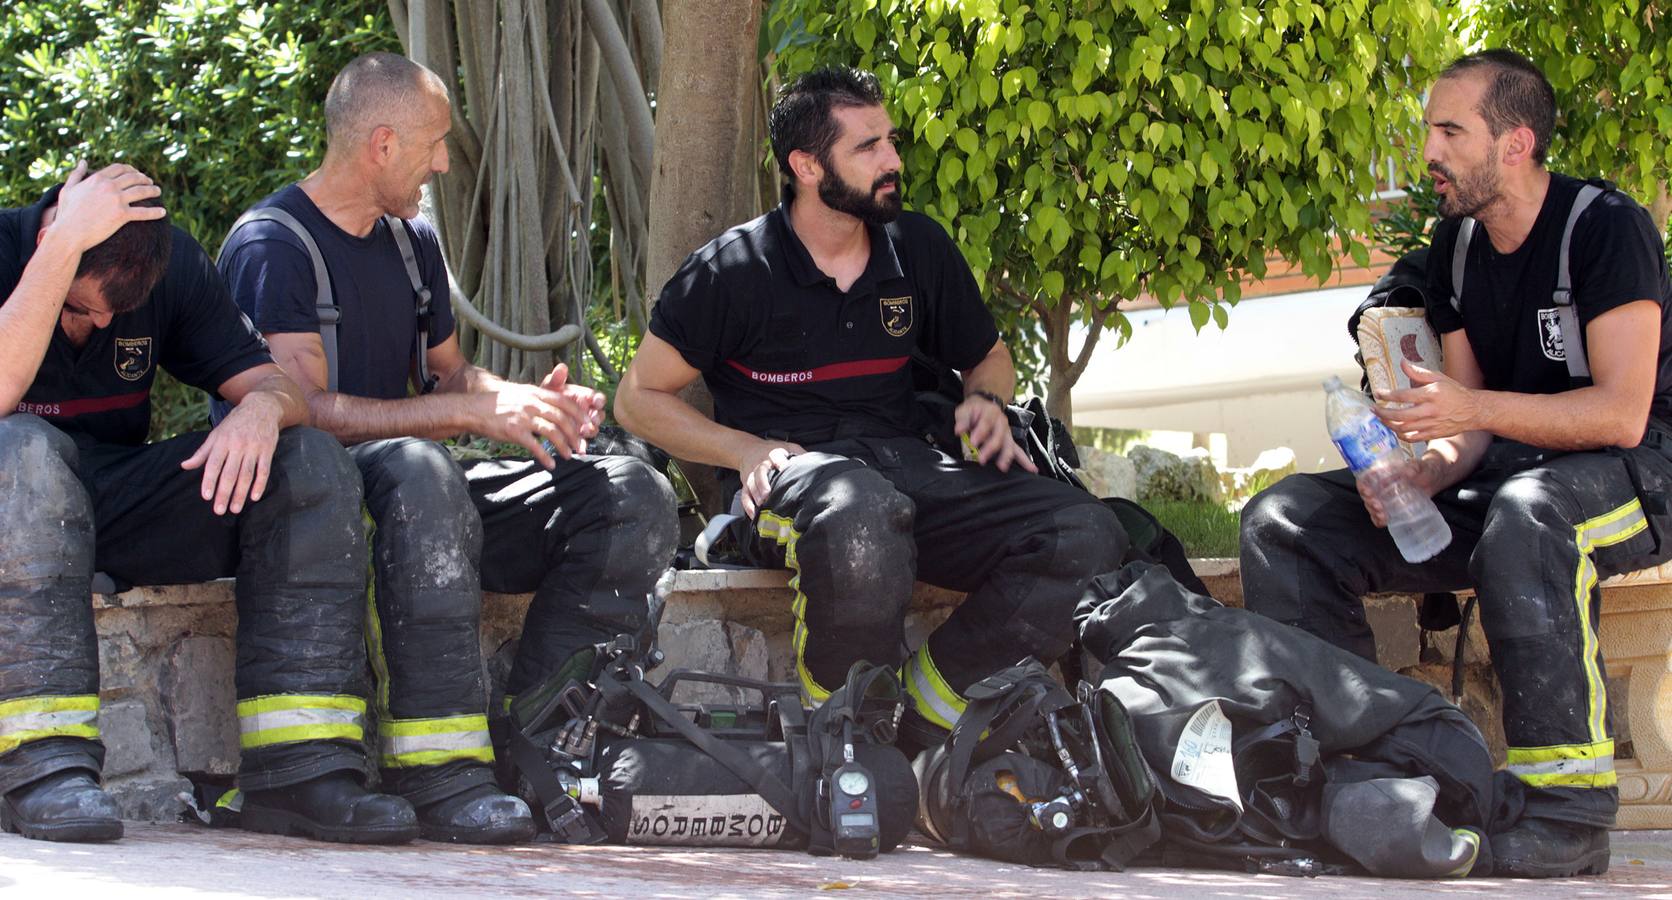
(290, 824)
(517, 832)
(90, 830)
(1594, 862)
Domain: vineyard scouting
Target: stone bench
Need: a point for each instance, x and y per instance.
(166, 657)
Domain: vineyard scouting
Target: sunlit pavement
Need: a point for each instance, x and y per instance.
(187, 861)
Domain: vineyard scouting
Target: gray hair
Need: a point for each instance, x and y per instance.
(374, 89)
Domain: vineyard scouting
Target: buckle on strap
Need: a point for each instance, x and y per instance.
(1562, 296)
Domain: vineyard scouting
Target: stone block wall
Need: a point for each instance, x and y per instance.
(166, 657)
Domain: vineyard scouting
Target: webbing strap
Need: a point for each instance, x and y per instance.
(1573, 342)
(421, 303)
(1567, 318)
(1459, 262)
(325, 305)
(766, 784)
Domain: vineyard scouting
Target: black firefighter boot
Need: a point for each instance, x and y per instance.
(1546, 848)
(334, 807)
(64, 806)
(481, 815)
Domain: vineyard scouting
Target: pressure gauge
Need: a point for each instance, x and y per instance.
(853, 783)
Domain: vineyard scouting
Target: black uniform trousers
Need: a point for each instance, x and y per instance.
(1533, 532)
(860, 519)
(73, 506)
(588, 538)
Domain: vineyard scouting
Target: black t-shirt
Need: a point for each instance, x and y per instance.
(787, 354)
(1508, 311)
(188, 325)
(270, 275)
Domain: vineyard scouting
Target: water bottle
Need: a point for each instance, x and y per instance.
(1374, 454)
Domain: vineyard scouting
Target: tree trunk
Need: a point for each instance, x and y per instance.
(703, 177)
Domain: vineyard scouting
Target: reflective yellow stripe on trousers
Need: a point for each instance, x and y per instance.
(431, 742)
(935, 699)
(1586, 765)
(1565, 765)
(36, 718)
(1621, 524)
(287, 718)
(782, 530)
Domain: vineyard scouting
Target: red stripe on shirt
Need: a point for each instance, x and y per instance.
(832, 372)
(69, 409)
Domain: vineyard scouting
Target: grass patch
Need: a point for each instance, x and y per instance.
(1205, 529)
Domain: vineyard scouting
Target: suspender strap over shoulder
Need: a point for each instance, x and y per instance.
(325, 305)
(1573, 340)
(420, 300)
(1573, 337)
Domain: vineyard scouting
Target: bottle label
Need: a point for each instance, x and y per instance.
(1364, 441)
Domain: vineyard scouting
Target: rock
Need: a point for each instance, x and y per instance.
(151, 800)
(127, 738)
(1393, 620)
(1108, 474)
(202, 704)
(120, 664)
(713, 646)
(1273, 465)
(1165, 476)
(1269, 468)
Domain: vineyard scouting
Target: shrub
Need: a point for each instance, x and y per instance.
(218, 101)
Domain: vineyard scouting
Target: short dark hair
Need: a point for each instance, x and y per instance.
(129, 263)
(1517, 94)
(367, 90)
(801, 120)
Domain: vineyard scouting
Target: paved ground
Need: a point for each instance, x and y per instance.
(191, 862)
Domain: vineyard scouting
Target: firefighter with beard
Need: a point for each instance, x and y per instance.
(803, 324)
(1550, 481)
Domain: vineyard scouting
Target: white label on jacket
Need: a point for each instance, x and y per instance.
(705, 820)
(1203, 757)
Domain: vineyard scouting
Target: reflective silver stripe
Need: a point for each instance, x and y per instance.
(429, 743)
(296, 718)
(1599, 766)
(47, 721)
(1599, 535)
(923, 691)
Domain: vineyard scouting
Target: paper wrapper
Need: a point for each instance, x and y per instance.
(1387, 334)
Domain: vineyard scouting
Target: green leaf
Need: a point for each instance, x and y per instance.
(967, 140)
(1039, 113)
(1052, 284)
(1199, 314)
(934, 132)
(864, 34)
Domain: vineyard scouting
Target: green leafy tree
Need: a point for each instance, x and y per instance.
(219, 101)
(1083, 153)
(1611, 66)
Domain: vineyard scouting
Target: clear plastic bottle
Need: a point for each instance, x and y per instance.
(1374, 454)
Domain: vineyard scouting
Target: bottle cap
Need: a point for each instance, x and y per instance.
(1332, 383)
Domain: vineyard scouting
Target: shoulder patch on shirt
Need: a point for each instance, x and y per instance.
(1550, 335)
(896, 315)
(133, 358)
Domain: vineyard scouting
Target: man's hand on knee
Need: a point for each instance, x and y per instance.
(981, 421)
(237, 456)
(757, 464)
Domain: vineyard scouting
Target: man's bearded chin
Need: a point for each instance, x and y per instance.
(863, 205)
